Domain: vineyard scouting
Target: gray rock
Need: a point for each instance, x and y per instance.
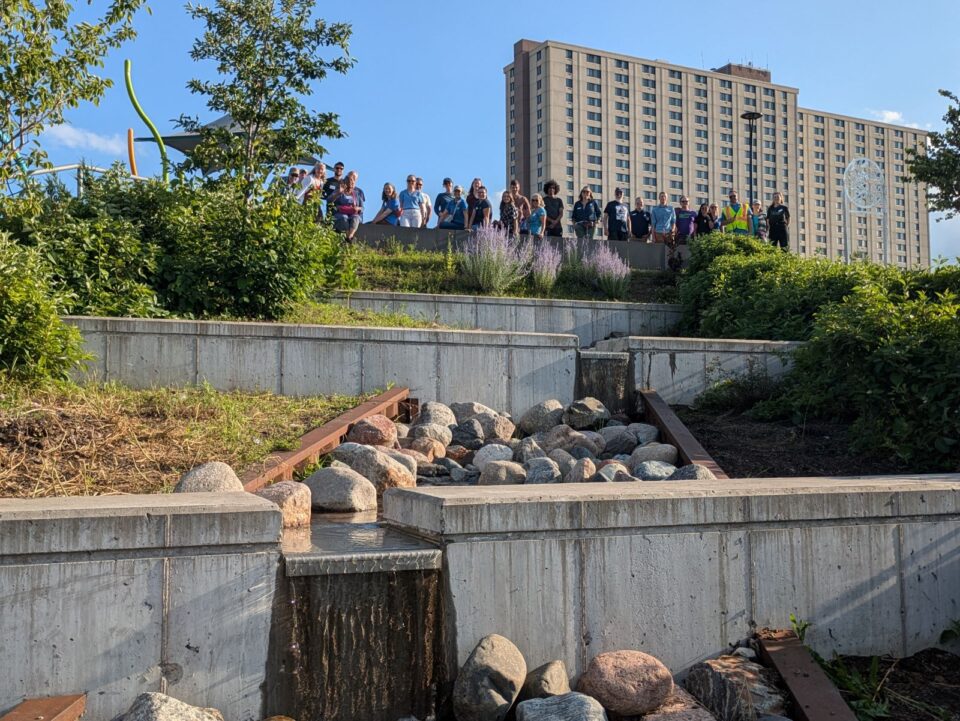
(692, 472)
(495, 426)
(653, 470)
(563, 460)
(378, 468)
(464, 476)
(402, 458)
(609, 472)
(435, 413)
(624, 477)
(466, 411)
(467, 433)
(342, 490)
(447, 463)
(489, 681)
(599, 441)
(542, 417)
(502, 473)
(551, 679)
(582, 471)
(432, 430)
(567, 438)
(681, 706)
(344, 451)
(644, 432)
(212, 477)
(431, 470)
(493, 452)
(542, 470)
(529, 448)
(568, 707)
(586, 413)
(154, 706)
(613, 422)
(618, 440)
(732, 687)
(624, 458)
(580, 453)
(663, 452)
(403, 430)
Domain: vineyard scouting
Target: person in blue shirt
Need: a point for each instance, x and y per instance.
(389, 213)
(454, 213)
(664, 221)
(640, 222)
(412, 208)
(443, 198)
(586, 213)
(537, 222)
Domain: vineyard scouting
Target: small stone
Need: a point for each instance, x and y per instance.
(430, 447)
(663, 452)
(495, 425)
(563, 460)
(542, 470)
(529, 448)
(152, 706)
(596, 439)
(580, 453)
(489, 681)
(447, 463)
(618, 440)
(653, 470)
(551, 679)
(341, 490)
(609, 472)
(681, 706)
(586, 413)
(744, 652)
(435, 413)
(415, 455)
(542, 417)
(378, 468)
(692, 472)
(293, 499)
(582, 471)
(404, 457)
(465, 411)
(627, 682)
(431, 470)
(502, 473)
(468, 433)
(212, 477)
(432, 430)
(459, 454)
(493, 452)
(568, 707)
(377, 430)
(644, 432)
(464, 476)
(624, 477)
(732, 687)
(615, 423)
(567, 438)
(403, 430)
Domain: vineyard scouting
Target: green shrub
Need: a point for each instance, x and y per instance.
(34, 342)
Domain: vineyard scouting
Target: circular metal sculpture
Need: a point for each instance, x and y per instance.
(864, 184)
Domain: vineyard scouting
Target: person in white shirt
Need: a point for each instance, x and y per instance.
(427, 203)
(313, 183)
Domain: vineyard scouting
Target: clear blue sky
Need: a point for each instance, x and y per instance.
(427, 95)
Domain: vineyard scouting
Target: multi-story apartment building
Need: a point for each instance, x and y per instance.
(587, 117)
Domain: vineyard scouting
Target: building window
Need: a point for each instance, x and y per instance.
(593, 73)
(595, 59)
(675, 74)
(621, 77)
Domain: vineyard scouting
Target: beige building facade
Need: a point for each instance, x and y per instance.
(586, 117)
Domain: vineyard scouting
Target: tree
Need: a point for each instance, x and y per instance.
(47, 63)
(268, 54)
(939, 167)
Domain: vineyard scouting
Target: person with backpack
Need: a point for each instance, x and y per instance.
(586, 213)
(615, 217)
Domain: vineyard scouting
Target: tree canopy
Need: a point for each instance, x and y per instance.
(939, 167)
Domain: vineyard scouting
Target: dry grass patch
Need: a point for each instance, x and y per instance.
(69, 440)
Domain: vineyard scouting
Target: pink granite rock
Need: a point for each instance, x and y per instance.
(374, 431)
(293, 498)
(627, 682)
(415, 455)
(429, 447)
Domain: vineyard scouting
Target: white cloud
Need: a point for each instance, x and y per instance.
(894, 117)
(80, 139)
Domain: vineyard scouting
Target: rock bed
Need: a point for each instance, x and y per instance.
(471, 444)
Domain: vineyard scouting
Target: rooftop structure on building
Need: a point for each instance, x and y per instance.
(587, 117)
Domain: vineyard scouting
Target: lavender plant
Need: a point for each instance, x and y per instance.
(545, 268)
(574, 257)
(611, 273)
(492, 261)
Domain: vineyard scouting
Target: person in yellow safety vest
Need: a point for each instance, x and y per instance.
(736, 217)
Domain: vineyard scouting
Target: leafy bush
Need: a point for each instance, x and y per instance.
(492, 261)
(546, 266)
(610, 272)
(34, 342)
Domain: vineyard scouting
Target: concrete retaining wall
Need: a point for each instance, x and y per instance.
(590, 321)
(115, 596)
(506, 371)
(680, 369)
(680, 570)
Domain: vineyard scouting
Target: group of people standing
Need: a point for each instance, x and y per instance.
(342, 200)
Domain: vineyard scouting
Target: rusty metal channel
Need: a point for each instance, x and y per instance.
(659, 414)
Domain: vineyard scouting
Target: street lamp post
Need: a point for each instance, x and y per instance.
(751, 116)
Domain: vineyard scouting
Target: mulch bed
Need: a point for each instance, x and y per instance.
(747, 448)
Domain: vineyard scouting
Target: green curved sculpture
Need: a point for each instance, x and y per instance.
(145, 119)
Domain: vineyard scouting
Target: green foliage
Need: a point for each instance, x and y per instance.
(268, 56)
(799, 627)
(49, 59)
(34, 342)
(738, 393)
(863, 691)
(938, 164)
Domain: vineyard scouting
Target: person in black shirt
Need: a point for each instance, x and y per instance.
(640, 222)
(553, 204)
(705, 223)
(331, 187)
(778, 218)
(615, 217)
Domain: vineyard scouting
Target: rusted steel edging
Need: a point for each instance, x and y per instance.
(282, 464)
(815, 698)
(52, 708)
(659, 414)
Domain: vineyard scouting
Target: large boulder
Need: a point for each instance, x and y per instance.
(405, 457)
(542, 470)
(493, 452)
(461, 455)
(563, 460)
(551, 679)
(489, 681)
(465, 411)
(502, 473)
(692, 472)
(568, 707)
(617, 440)
(644, 432)
(495, 426)
(565, 437)
(436, 413)
(732, 687)
(653, 470)
(681, 706)
(542, 417)
(436, 431)
(293, 500)
(628, 683)
(609, 471)
(212, 477)
(341, 489)
(586, 413)
(430, 447)
(378, 468)
(469, 434)
(529, 448)
(377, 430)
(582, 471)
(153, 706)
(662, 452)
